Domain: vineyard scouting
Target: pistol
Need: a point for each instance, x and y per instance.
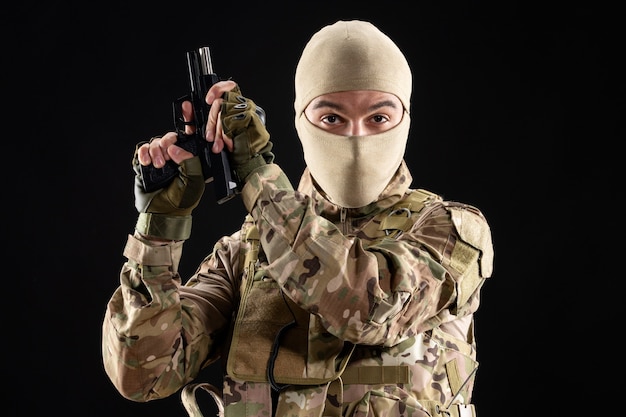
(215, 167)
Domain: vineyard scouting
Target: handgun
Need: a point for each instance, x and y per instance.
(215, 167)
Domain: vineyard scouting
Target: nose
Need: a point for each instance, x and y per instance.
(357, 128)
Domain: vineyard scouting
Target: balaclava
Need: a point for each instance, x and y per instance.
(344, 56)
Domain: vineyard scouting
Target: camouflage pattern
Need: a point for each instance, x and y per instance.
(398, 309)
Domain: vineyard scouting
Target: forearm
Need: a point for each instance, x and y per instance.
(152, 345)
(393, 291)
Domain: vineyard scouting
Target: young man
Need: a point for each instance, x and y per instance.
(351, 295)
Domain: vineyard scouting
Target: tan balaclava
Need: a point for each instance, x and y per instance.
(351, 55)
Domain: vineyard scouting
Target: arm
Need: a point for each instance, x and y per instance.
(395, 288)
(157, 334)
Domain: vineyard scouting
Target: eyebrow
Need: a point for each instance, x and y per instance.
(333, 105)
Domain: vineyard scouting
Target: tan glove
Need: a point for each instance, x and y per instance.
(242, 123)
(166, 212)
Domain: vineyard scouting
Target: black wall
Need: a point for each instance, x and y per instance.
(503, 96)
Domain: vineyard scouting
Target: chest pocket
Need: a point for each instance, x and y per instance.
(273, 339)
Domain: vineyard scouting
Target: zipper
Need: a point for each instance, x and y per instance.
(342, 220)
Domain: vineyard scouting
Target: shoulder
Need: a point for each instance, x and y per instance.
(460, 230)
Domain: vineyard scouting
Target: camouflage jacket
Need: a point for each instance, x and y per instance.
(356, 322)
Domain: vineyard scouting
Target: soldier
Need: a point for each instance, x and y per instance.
(350, 295)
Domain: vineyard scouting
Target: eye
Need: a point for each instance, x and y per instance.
(331, 119)
(379, 118)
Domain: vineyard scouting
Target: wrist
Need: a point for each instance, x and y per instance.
(162, 226)
(242, 171)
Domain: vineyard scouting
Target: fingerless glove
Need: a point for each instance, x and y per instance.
(166, 212)
(251, 145)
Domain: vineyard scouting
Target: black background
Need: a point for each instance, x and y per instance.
(506, 96)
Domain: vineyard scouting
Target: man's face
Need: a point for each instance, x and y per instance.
(355, 113)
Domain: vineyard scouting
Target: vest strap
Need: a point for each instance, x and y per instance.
(402, 215)
(372, 375)
(334, 399)
(188, 396)
(455, 410)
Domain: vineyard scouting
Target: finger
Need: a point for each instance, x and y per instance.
(169, 139)
(221, 140)
(187, 110)
(171, 150)
(218, 89)
(213, 121)
(213, 131)
(143, 154)
(155, 154)
(178, 154)
(158, 149)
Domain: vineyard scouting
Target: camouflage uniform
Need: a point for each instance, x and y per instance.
(354, 322)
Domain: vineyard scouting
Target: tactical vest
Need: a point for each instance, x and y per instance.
(274, 341)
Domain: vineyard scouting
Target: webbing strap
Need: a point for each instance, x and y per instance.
(188, 396)
(400, 219)
(455, 410)
(371, 375)
(334, 399)
(248, 255)
(252, 236)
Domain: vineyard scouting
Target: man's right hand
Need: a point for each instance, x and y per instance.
(166, 213)
(179, 197)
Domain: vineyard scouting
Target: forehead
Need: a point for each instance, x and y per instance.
(355, 98)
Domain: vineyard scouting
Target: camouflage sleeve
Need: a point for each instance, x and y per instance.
(379, 294)
(157, 333)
